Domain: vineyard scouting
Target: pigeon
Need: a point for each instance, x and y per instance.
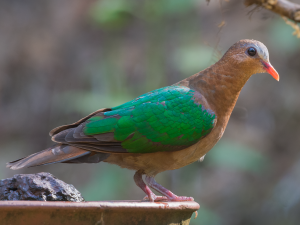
(164, 129)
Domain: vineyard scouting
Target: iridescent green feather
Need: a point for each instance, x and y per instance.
(165, 119)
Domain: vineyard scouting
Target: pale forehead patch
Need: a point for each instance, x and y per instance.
(262, 50)
(244, 45)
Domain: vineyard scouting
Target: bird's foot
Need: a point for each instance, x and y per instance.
(155, 198)
(169, 195)
(176, 198)
(150, 195)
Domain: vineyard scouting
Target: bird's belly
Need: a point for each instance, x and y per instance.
(153, 163)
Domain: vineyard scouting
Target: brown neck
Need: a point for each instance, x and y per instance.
(220, 84)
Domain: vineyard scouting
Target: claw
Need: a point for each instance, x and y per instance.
(156, 198)
(181, 198)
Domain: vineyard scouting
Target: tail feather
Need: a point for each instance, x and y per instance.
(93, 157)
(56, 154)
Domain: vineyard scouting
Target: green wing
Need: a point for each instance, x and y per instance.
(165, 119)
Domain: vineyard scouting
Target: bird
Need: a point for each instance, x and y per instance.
(164, 129)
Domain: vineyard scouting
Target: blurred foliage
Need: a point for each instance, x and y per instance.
(117, 13)
(276, 37)
(237, 157)
(112, 14)
(61, 60)
(191, 59)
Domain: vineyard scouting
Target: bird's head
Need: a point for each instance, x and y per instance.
(252, 56)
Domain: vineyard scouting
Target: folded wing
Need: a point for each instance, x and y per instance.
(167, 119)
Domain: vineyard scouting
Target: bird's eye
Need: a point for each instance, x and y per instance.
(251, 51)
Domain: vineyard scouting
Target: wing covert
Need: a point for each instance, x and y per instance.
(167, 119)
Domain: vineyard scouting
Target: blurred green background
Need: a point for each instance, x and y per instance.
(63, 59)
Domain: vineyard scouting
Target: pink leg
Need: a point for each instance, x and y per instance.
(171, 197)
(138, 179)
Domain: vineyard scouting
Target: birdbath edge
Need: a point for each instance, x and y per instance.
(97, 213)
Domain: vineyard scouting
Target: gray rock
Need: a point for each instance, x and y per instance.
(38, 187)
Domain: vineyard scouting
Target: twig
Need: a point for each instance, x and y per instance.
(294, 26)
(282, 7)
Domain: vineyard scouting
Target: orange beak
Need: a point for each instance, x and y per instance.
(270, 69)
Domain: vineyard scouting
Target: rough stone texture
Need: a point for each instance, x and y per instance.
(38, 187)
